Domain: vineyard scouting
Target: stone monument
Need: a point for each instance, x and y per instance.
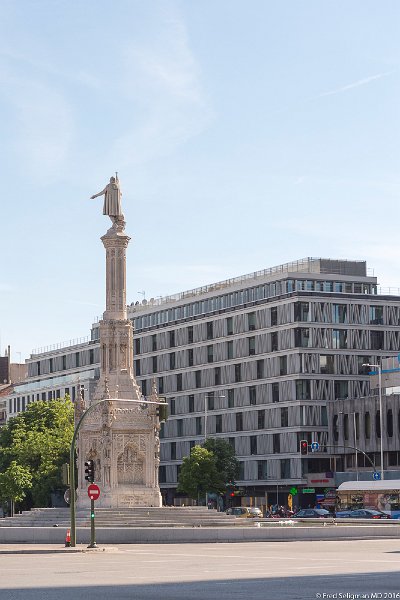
(121, 437)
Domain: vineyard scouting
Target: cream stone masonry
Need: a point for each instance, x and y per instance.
(121, 438)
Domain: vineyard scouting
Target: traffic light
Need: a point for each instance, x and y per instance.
(89, 471)
(303, 447)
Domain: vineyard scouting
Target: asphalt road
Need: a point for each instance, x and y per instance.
(259, 571)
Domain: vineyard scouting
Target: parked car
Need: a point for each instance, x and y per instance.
(367, 513)
(312, 513)
(343, 514)
(245, 511)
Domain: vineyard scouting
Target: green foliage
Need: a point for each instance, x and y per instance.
(226, 462)
(198, 473)
(38, 440)
(208, 469)
(14, 483)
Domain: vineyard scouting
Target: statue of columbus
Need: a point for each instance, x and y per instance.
(112, 200)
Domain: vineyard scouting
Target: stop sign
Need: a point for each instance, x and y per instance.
(93, 491)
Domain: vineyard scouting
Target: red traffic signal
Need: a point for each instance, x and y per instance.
(303, 447)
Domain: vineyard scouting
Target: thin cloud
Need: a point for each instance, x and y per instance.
(355, 84)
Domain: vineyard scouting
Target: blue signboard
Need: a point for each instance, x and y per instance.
(376, 476)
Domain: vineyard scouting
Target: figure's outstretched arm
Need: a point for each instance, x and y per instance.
(99, 194)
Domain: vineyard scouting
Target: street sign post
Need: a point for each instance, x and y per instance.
(94, 494)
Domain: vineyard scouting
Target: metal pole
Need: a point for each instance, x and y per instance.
(92, 528)
(381, 417)
(205, 417)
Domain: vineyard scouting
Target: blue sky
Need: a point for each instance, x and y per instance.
(245, 134)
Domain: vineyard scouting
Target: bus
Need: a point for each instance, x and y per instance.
(377, 495)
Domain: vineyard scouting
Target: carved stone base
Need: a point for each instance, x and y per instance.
(123, 498)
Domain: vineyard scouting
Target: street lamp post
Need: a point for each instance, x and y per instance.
(379, 367)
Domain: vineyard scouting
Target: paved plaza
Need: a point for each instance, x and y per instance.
(259, 571)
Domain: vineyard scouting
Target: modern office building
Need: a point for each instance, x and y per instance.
(254, 360)
(56, 371)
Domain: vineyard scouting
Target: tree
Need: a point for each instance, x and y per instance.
(198, 474)
(14, 483)
(38, 440)
(209, 468)
(226, 462)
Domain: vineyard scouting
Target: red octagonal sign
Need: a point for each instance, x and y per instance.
(93, 491)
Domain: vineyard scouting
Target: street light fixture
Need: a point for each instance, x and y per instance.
(379, 367)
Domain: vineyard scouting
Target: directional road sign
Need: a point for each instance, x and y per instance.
(376, 476)
(314, 446)
(93, 491)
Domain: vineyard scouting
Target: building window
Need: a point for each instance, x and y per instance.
(285, 468)
(191, 404)
(284, 417)
(137, 367)
(335, 428)
(346, 426)
(210, 401)
(376, 315)
(378, 423)
(231, 441)
(339, 338)
(154, 360)
(302, 311)
(274, 316)
(276, 443)
(210, 354)
(389, 422)
(231, 398)
(252, 346)
(377, 340)
(239, 421)
(179, 382)
(238, 373)
(251, 321)
(172, 406)
(230, 350)
(253, 444)
(327, 364)
(172, 360)
(197, 375)
(161, 385)
(341, 389)
(274, 341)
(262, 469)
(162, 475)
(154, 342)
(218, 424)
(172, 339)
(302, 337)
(190, 357)
(260, 368)
(275, 392)
(137, 345)
(229, 326)
(210, 330)
(192, 444)
(173, 450)
(198, 425)
(283, 365)
(261, 419)
(339, 313)
(144, 387)
(190, 334)
(179, 427)
(367, 425)
(252, 395)
(303, 389)
(217, 376)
